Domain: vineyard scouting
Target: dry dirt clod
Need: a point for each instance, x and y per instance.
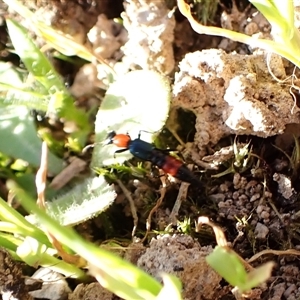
(12, 284)
(233, 94)
(86, 81)
(150, 28)
(284, 185)
(236, 20)
(106, 37)
(261, 231)
(54, 285)
(184, 257)
(91, 291)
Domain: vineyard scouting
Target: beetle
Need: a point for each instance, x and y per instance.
(158, 157)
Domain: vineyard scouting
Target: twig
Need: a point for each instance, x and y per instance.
(157, 205)
(41, 176)
(132, 206)
(40, 181)
(182, 193)
(76, 166)
(180, 197)
(274, 252)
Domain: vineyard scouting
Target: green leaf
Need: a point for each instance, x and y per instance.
(10, 75)
(85, 201)
(139, 100)
(258, 276)
(35, 61)
(18, 131)
(226, 263)
(8, 241)
(287, 39)
(171, 289)
(48, 82)
(280, 14)
(60, 41)
(26, 181)
(11, 216)
(34, 253)
(13, 90)
(113, 273)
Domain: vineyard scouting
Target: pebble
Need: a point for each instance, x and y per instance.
(255, 197)
(261, 231)
(216, 198)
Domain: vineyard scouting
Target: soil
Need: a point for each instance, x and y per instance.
(233, 112)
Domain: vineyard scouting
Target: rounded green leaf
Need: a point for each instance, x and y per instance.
(227, 263)
(258, 276)
(19, 138)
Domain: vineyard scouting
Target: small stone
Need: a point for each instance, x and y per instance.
(259, 209)
(91, 291)
(54, 285)
(284, 185)
(243, 197)
(235, 195)
(251, 28)
(221, 204)
(224, 187)
(265, 215)
(261, 231)
(216, 198)
(236, 179)
(268, 194)
(251, 184)
(255, 197)
(229, 202)
(292, 288)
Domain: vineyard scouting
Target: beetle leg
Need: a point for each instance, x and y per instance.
(140, 132)
(120, 151)
(166, 151)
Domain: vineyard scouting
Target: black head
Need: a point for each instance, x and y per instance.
(110, 138)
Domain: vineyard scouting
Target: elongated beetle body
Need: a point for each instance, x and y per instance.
(159, 157)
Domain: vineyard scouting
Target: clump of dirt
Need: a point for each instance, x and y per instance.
(184, 257)
(91, 291)
(150, 27)
(12, 281)
(233, 94)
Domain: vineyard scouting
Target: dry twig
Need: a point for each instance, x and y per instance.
(157, 205)
(40, 182)
(132, 206)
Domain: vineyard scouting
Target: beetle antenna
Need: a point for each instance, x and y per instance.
(84, 150)
(108, 140)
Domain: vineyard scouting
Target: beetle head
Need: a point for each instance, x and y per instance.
(109, 138)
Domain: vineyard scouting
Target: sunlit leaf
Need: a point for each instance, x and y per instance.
(19, 139)
(226, 263)
(83, 202)
(138, 101)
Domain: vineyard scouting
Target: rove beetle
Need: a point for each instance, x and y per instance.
(159, 157)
